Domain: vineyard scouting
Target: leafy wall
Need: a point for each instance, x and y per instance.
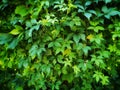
(59, 44)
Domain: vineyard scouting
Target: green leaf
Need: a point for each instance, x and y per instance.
(19, 88)
(68, 77)
(39, 51)
(67, 63)
(76, 38)
(114, 12)
(87, 15)
(98, 60)
(28, 24)
(98, 75)
(21, 10)
(33, 21)
(105, 53)
(15, 32)
(82, 36)
(92, 12)
(105, 80)
(51, 44)
(107, 1)
(77, 21)
(76, 69)
(112, 48)
(13, 43)
(64, 70)
(57, 44)
(5, 38)
(10, 63)
(105, 9)
(86, 49)
(88, 3)
(59, 49)
(108, 12)
(33, 51)
(30, 31)
(94, 23)
(97, 28)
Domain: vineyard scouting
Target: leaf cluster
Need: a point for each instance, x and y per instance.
(59, 44)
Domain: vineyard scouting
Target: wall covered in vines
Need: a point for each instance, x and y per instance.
(59, 45)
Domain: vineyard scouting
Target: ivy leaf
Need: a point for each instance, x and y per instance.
(39, 51)
(67, 52)
(86, 49)
(76, 69)
(57, 44)
(19, 88)
(105, 9)
(59, 49)
(98, 60)
(94, 23)
(112, 48)
(15, 32)
(92, 12)
(5, 38)
(104, 53)
(82, 65)
(88, 3)
(67, 63)
(89, 37)
(98, 75)
(108, 12)
(114, 12)
(21, 10)
(107, 1)
(97, 28)
(77, 21)
(13, 44)
(88, 15)
(76, 38)
(105, 80)
(33, 51)
(68, 77)
(82, 36)
(51, 44)
(64, 70)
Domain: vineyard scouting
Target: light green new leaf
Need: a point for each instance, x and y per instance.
(19, 88)
(76, 69)
(15, 32)
(98, 75)
(21, 10)
(105, 80)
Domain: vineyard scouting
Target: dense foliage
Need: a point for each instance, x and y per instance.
(59, 44)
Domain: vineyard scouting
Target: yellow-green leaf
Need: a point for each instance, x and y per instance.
(15, 32)
(67, 52)
(89, 37)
